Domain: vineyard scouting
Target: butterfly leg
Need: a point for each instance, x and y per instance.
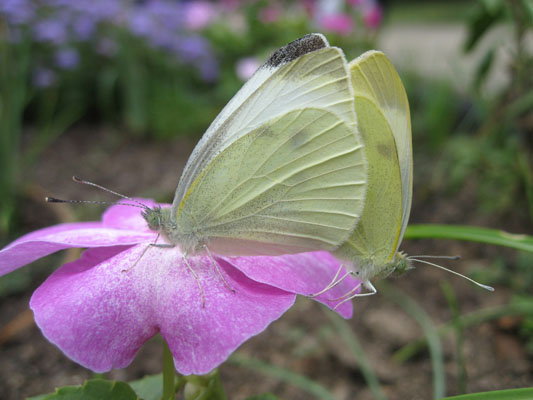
(352, 294)
(195, 278)
(144, 252)
(334, 282)
(215, 264)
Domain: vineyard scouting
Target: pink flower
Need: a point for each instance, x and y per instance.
(101, 308)
(337, 23)
(246, 67)
(198, 14)
(270, 14)
(373, 16)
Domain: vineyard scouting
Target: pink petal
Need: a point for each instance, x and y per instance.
(373, 17)
(338, 23)
(46, 241)
(305, 274)
(100, 316)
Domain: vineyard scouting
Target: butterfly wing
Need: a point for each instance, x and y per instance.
(384, 125)
(378, 80)
(294, 184)
(282, 165)
(304, 73)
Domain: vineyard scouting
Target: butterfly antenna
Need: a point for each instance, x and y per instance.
(486, 287)
(84, 182)
(56, 200)
(438, 257)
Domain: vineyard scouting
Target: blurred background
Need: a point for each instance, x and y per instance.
(119, 91)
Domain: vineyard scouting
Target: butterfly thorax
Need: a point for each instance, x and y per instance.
(160, 220)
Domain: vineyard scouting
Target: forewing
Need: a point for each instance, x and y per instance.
(294, 184)
(306, 73)
(374, 78)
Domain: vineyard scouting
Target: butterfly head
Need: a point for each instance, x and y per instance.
(401, 264)
(157, 218)
(160, 220)
(372, 268)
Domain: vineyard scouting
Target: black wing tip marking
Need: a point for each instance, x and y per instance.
(296, 49)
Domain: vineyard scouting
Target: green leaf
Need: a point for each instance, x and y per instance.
(522, 308)
(472, 234)
(483, 68)
(264, 396)
(511, 394)
(482, 19)
(94, 389)
(527, 6)
(149, 387)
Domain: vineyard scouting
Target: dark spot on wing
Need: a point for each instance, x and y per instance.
(296, 49)
(385, 150)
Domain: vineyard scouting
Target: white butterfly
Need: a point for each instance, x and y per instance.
(281, 169)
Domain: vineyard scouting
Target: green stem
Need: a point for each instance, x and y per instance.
(169, 374)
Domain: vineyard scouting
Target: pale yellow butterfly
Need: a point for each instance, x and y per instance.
(281, 169)
(384, 124)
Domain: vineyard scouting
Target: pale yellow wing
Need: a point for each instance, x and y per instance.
(374, 77)
(294, 184)
(376, 236)
(303, 73)
(384, 125)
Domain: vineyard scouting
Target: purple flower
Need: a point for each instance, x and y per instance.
(50, 30)
(141, 23)
(209, 69)
(198, 14)
(246, 67)
(193, 48)
(166, 14)
(43, 78)
(17, 11)
(67, 58)
(84, 27)
(100, 309)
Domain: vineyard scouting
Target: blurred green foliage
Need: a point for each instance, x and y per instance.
(155, 69)
(481, 140)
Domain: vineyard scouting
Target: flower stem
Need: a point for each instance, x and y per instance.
(204, 387)
(169, 374)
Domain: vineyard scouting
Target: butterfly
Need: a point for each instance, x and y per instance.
(384, 123)
(281, 169)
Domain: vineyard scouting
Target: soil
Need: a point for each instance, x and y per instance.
(303, 340)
